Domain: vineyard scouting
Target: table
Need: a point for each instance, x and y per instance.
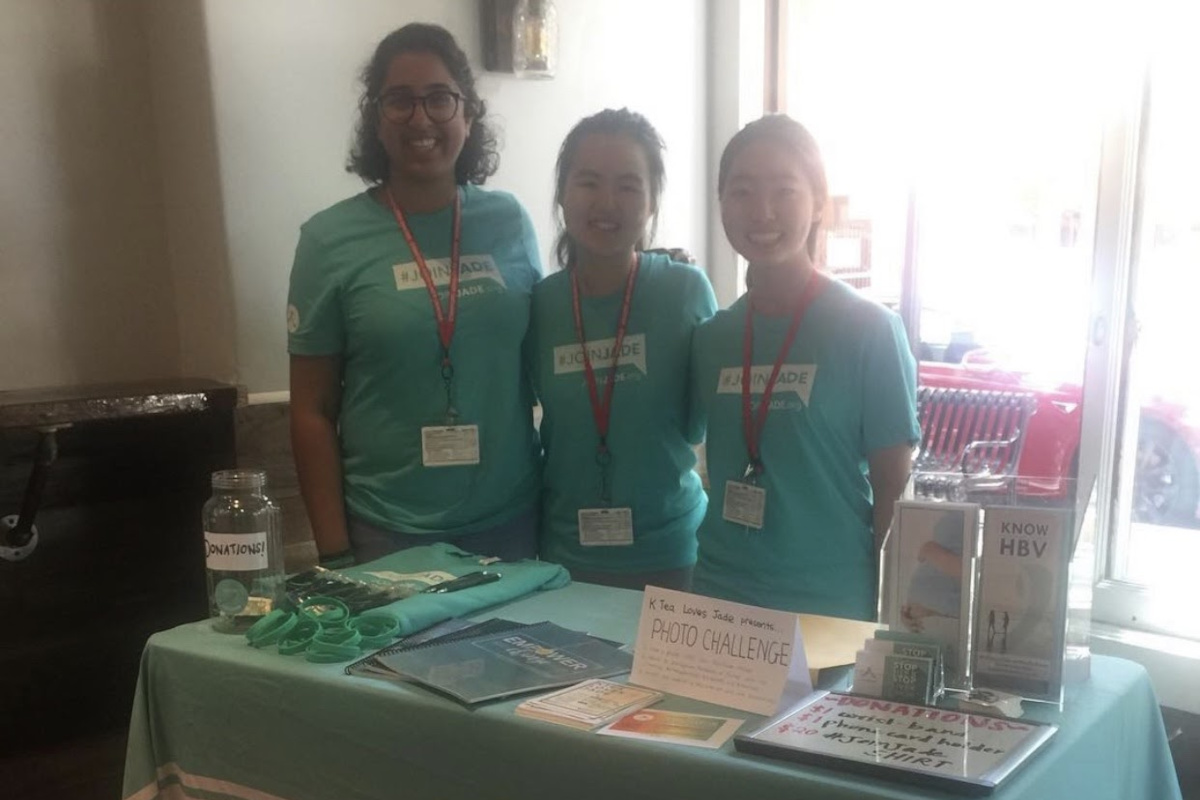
(214, 718)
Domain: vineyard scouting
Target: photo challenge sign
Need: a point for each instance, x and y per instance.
(720, 652)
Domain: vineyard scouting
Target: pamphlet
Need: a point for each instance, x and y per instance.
(588, 705)
(675, 727)
(447, 631)
(931, 554)
(494, 665)
(904, 678)
(1021, 616)
(911, 644)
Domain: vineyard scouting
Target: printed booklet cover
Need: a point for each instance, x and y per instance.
(1021, 614)
(931, 555)
(675, 727)
(447, 631)
(541, 656)
(588, 705)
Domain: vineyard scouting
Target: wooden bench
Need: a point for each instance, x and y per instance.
(971, 442)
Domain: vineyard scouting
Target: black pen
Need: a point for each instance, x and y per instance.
(463, 582)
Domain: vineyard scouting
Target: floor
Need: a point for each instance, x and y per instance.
(86, 769)
(1184, 732)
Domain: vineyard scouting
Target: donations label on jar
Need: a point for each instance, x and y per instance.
(235, 552)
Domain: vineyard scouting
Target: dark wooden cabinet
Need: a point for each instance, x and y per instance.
(119, 552)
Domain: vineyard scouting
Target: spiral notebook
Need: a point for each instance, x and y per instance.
(495, 664)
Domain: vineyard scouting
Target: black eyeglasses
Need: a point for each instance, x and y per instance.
(440, 105)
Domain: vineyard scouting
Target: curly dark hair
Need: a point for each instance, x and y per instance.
(783, 130)
(479, 157)
(612, 121)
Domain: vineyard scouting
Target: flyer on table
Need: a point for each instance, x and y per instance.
(720, 652)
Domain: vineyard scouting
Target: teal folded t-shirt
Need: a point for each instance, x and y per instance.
(518, 578)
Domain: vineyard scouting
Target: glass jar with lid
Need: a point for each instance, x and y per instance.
(243, 550)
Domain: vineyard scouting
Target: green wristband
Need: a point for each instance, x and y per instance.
(378, 629)
(299, 637)
(331, 645)
(341, 637)
(271, 628)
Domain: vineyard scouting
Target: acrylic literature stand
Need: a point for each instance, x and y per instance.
(1009, 580)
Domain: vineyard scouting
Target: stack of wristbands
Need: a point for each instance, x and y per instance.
(324, 630)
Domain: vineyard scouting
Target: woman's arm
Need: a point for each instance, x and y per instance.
(887, 471)
(316, 390)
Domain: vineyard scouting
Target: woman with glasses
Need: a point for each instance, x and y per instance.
(809, 392)
(408, 303)
(609, 344)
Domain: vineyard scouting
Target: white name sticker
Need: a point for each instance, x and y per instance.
(450, 445)
(745, 504)
(235, 552)
(602, 527)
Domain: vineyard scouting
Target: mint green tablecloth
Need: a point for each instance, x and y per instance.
(216, 719)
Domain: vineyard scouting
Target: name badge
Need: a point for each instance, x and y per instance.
(744, 504)
(450, 445)
(604, 527)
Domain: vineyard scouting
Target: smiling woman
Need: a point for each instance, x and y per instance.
(621, 500)
(387, 85)
(809, 394)
(407, 303)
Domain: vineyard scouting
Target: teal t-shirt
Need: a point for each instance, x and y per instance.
(356, 293)
(652, 467)
(847, 388)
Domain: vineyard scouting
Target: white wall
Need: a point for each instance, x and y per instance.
(85, 284)
(283, 79)
(192, 190)
(159, 158)
(655, 66)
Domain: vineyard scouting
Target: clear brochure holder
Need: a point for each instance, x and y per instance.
(988, 566)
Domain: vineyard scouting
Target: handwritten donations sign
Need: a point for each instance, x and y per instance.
(942, 745)
(731, 654)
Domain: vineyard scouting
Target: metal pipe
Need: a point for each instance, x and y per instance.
(45, 455)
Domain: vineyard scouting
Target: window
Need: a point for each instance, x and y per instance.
(1152, 535)
(985, 174)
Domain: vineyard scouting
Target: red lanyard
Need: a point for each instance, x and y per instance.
(602, 412)
(446, 319)
(752, 428)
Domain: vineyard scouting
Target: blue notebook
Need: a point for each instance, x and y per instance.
(504, 663)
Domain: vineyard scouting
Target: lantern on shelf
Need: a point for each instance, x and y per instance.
(534, 39)
(520, 37)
